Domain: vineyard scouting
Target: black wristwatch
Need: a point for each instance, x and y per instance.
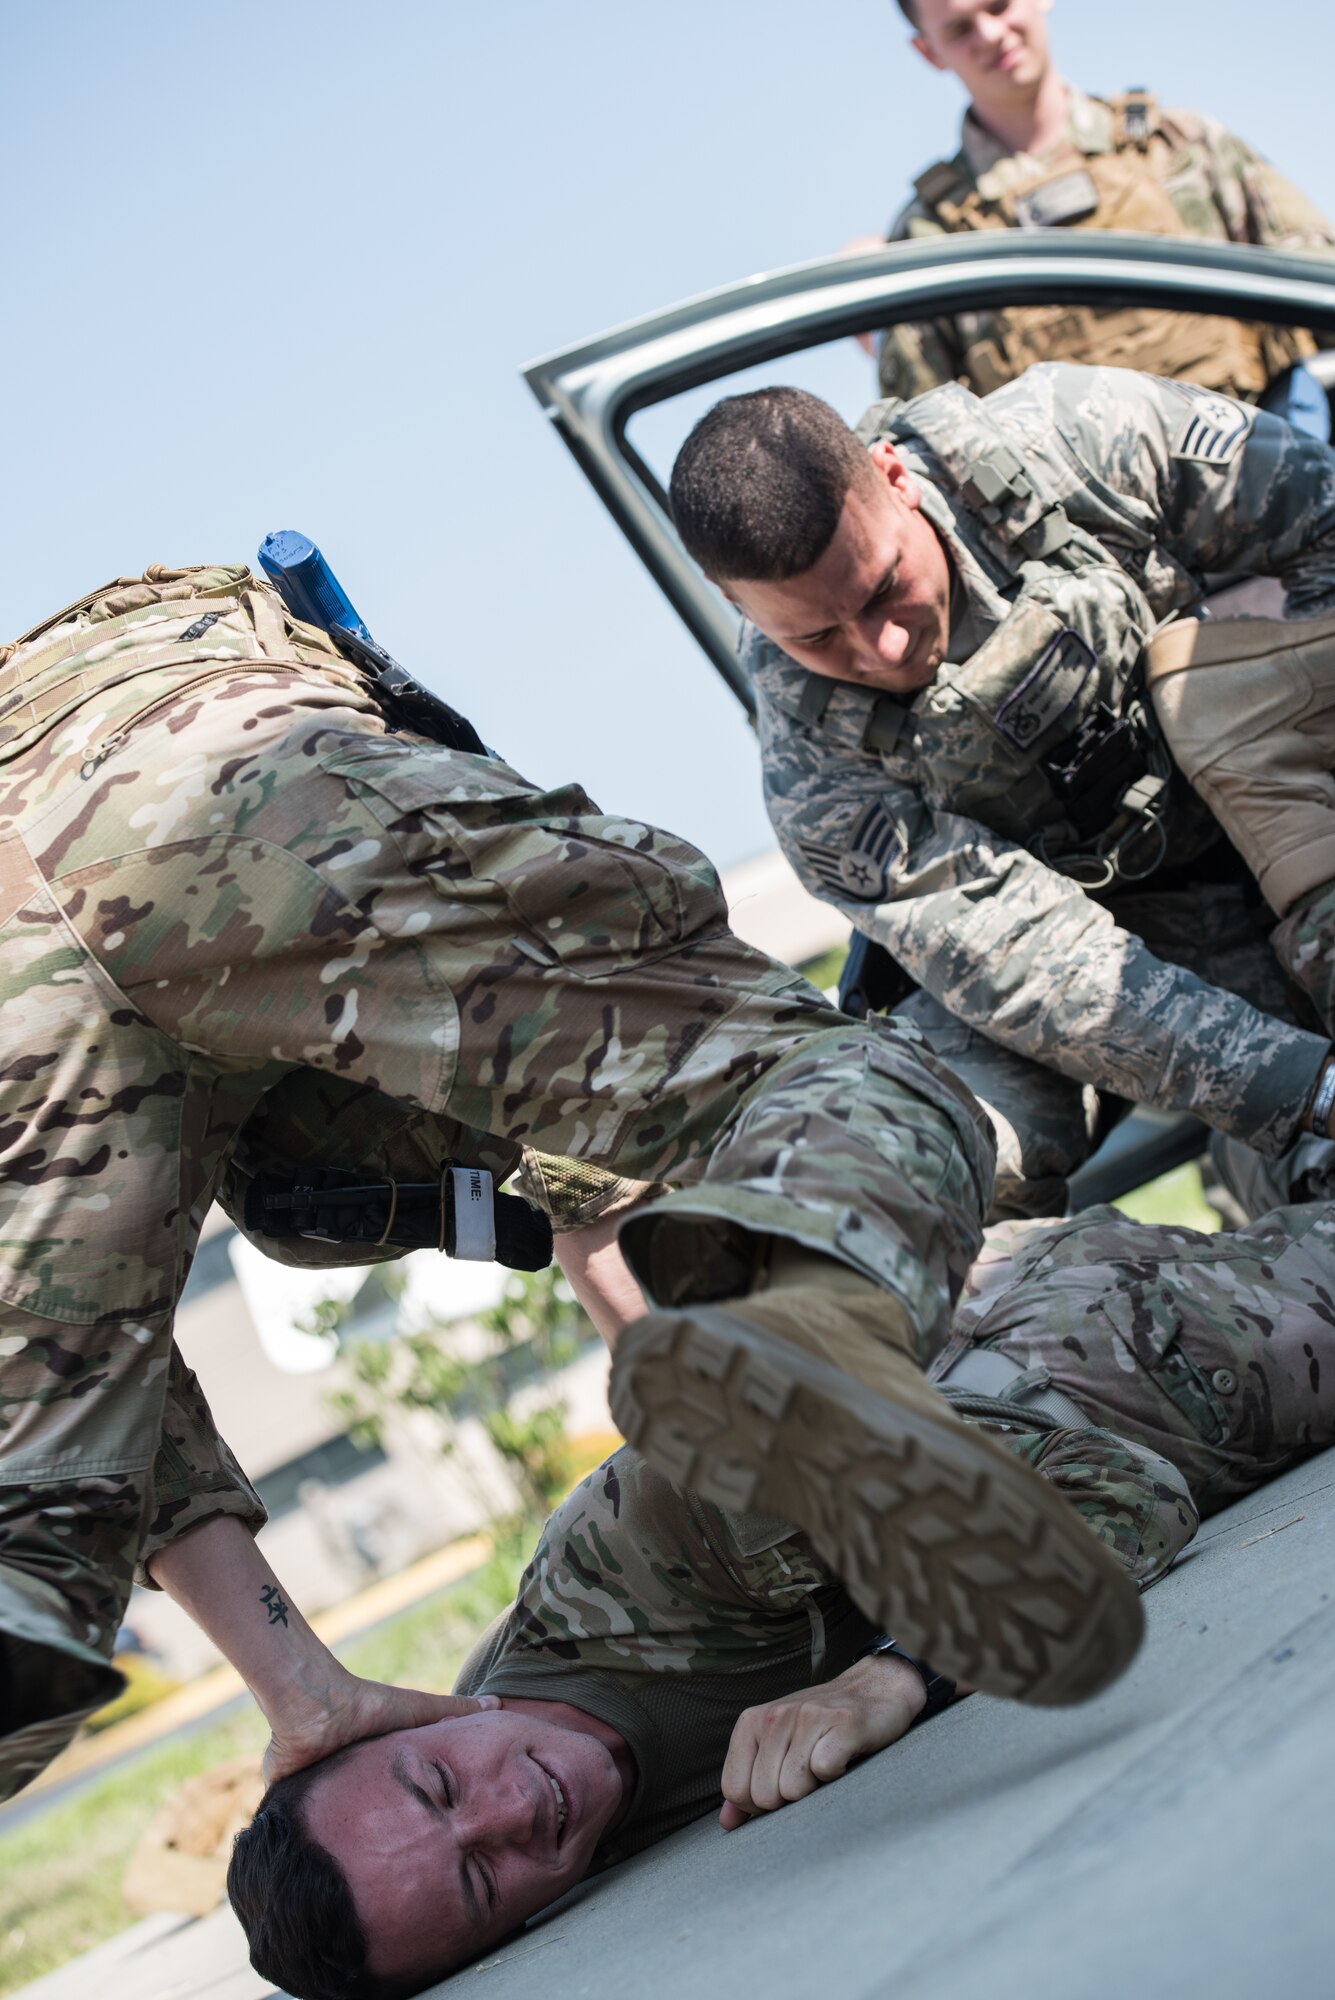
(940, 1691)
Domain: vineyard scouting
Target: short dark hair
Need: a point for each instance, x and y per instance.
(760, 483)
(906, 8)
(294, 1903)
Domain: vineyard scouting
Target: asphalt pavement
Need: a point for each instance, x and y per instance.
(1175, 1837)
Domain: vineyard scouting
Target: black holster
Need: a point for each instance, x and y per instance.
(341, 1207)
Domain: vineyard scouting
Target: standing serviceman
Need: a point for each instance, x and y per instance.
(950, 616)
(1036, 153)
(254, 928)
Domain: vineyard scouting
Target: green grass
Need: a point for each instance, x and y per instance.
(823, 972)
(61, 1869)
(1175, 1197)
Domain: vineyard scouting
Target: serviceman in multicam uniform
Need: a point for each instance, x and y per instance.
(953, 619)
(660, 1650)
(1036, 153)
(247, 925)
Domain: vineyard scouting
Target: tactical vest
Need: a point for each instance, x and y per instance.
(1124, 189)
(1043, 733)
(95, 644)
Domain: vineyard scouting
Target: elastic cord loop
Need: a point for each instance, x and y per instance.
(383, 1237)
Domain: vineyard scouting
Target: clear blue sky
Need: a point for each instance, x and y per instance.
(275, 265)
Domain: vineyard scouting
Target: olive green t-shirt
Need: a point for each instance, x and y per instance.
(665, 1617)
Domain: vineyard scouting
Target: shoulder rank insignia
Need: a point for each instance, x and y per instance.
(858, 872)
(1214, 428)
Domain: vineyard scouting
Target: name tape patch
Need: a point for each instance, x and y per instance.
(1070, 198)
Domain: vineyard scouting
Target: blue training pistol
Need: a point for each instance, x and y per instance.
(312, 593)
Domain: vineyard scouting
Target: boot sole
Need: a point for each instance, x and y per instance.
(954, 1548)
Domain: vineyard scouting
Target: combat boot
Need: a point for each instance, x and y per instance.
(802, 1399)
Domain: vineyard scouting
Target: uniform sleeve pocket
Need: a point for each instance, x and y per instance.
(599, 893)
(581, 888)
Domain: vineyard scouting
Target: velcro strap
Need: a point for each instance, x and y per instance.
(997, 477)
(814, 700)
(1050, 533)
(474, 1215)
(754, 1533)
(885, 725)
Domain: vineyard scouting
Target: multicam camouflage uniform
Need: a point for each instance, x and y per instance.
(1171, 173)
(1203, 1364)
(241, 920)
(924, 821)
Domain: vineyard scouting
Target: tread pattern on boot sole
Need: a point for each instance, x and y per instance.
(942, 1541)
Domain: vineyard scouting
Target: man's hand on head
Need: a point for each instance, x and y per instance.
(312, 1704)
(785, 1749)
(351, 1709)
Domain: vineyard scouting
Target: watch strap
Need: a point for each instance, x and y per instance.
(940, 1690)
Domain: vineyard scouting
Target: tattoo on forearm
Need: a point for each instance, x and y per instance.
(273, 1597)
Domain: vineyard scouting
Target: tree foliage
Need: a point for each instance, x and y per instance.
(486, 1368)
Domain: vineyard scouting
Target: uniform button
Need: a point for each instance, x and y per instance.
(1225, 1381)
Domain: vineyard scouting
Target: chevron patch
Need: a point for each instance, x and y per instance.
(858, 873)
(1215, 429)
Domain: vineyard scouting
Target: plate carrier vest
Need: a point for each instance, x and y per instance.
(1124, 189)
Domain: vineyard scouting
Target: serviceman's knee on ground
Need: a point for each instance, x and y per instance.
(109, 1451)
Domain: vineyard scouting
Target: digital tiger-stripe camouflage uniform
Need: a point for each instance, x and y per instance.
(1193, 1368)
(934, 821)
(242, 921)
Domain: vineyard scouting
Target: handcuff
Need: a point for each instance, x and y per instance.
(940, 1691)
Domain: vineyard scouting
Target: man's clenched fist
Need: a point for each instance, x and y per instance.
(785, 1749)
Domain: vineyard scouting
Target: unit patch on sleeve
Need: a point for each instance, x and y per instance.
(858, 872)
(1214, 429)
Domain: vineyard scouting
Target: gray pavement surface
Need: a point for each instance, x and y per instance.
(1175, 1837)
